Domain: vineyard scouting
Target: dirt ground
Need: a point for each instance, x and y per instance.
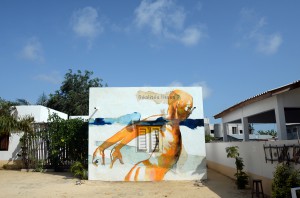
(52, 184)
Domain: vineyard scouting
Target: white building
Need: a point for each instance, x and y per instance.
(10, 146)
(280, 106)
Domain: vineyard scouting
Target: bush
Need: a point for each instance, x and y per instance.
(208, 138)
(68, 141)
(79, 171)
(285, 177)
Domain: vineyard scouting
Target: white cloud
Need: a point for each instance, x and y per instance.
(191, 36)
(269, 44)
(175, 84)
(252, 27)
(85, 23)
(206, 90)
(33, 50)
(167, 20)
(53, 77)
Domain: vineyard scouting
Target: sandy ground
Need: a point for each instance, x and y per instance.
(34, 184)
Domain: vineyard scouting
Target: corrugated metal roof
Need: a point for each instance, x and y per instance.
(259, 97)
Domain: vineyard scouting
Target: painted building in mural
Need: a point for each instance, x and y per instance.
(146, 134)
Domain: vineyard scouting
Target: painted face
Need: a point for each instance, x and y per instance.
(184, 109)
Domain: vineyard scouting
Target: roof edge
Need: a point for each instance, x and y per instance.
(259, 97)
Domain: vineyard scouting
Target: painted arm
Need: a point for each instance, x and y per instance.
(124, 136)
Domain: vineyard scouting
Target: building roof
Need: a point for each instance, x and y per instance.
(259, 97)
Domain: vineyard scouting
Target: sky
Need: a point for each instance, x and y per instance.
(233, 49)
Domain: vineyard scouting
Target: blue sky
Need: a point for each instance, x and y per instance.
(234, 49)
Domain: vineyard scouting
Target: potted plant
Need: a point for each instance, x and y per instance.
(241, 176)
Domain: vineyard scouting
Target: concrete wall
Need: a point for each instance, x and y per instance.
(251, 109)
(10, 157)
(253, 156)
(291, 98)
(38, 112)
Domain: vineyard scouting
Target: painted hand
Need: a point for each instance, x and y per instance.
(114, 155)
(99, 150)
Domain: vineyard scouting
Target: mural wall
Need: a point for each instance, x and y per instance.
(146, 134)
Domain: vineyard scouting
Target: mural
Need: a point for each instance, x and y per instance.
(146, 134)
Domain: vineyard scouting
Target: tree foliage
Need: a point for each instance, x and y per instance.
(73, 96)
(67, 140)
(268, 132)
(241, 176)
(285, 177)
(42, 100)
(9, 120)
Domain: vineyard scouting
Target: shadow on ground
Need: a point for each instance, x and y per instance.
(224, 186)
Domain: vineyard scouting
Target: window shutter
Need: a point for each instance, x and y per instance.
(154, 139)
(142, 139)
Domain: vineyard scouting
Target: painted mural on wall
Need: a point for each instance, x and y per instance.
(146, 134)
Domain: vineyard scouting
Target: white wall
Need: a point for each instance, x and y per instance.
(253, 156)
(291, 98)
(251, 152)
(251, 109)
(38, 112)
(117, 103)
(84, 118)
(13, 148)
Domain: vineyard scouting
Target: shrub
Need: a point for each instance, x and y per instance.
(285, 177)
(79, 171)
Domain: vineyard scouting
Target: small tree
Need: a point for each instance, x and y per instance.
(9, 120)
(73, 96)
(241, 176)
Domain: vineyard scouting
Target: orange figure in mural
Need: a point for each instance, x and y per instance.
(180, 106)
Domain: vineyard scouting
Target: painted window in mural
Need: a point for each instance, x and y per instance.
(165, 132)
(148, 139)
(154, 145)
(142, 139)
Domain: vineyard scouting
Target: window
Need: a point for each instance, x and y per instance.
(142, 139)
(148, 139)
(4, 142)
(154, 145)
(241, 131)
(234, 130)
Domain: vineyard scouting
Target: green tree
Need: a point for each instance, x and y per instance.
(267, 132)
(251, 128)
(67, 137)
(9, 120)
(241, 176)
(73, 96)
(21, 101)
(42, 100)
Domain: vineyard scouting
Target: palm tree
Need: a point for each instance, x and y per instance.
(9, 120)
